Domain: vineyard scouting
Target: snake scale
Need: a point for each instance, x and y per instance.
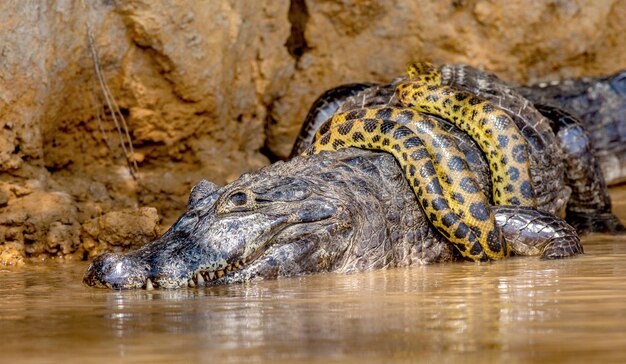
(434, 165)
(494, 131)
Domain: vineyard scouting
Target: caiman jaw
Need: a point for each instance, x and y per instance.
(202, 277)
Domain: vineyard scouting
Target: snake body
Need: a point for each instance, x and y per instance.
(494, 131)
(491, 113)
(559, 178)
(322, 109)
(434, 168)
(458, 183)
(442, 181)
(545, 152)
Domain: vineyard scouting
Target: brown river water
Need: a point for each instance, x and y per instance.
(514, 311)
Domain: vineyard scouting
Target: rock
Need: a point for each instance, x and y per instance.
(41, 223)
(120, 230)
(4, 198)
(10, 256)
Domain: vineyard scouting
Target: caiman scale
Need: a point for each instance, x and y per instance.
(344, 211)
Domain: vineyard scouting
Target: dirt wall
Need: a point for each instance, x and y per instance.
(216, 88)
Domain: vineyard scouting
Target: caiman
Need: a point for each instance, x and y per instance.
(353, 210)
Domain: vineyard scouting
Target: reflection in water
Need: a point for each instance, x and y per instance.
(516, 310)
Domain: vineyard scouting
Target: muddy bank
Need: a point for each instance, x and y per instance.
(215, 89)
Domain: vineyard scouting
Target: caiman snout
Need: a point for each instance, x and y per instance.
(256, 227)
(116, 271)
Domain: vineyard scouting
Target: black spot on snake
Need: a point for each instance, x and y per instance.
(479, 211)
(369, 125)
(519, 153)
(456, 164)
(357, 137)
(384, 113)
(526, 190)
(427, 170)
(468, 185)
(440, 204)
(325, 139)
(345, 128)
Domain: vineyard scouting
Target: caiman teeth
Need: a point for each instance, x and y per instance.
(201, 277)
(149, 285)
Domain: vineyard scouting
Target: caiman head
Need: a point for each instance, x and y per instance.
(304, 216)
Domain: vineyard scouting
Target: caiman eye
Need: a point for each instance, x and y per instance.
(238, 199)
(236, 202)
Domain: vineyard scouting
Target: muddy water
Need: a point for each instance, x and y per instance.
(518, 310)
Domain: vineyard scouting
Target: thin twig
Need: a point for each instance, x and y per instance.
(116, 114)
(105, 134)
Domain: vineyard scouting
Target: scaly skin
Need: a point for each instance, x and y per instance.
(555, 238)
(600, 104)
(589, 207)
(599, 100)
(346, 211)
(436, 170)
(545, 157)
(349, 210)
(323, 108)
(448, 159)
(493, 130)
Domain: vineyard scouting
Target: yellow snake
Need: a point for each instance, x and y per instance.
(432, 162)
(434, 167)
(493, 130)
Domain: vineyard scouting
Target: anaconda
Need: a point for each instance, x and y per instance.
(434, 167)
(322, 109)
(447, 191)
(491, 128)
(548, 155)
